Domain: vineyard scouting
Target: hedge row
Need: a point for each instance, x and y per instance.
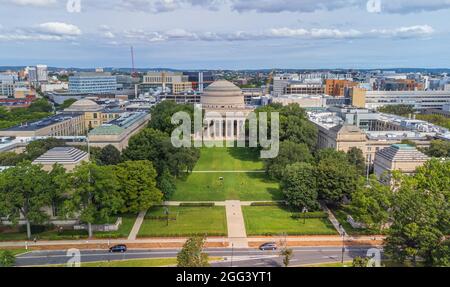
(310, 215)
(197, 204)
(269, 203)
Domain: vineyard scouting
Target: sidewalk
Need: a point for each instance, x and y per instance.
(137, 225)
(237, 234)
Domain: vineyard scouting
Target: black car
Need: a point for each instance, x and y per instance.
(268, 246)
(118, 248)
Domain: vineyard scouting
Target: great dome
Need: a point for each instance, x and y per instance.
(223, 95)
(84, 105)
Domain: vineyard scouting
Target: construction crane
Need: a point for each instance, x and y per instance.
(134, 74)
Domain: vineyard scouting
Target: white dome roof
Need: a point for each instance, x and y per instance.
(84, 105)
(223, 94)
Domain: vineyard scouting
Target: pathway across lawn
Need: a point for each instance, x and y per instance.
(275, 220)
(189, 221)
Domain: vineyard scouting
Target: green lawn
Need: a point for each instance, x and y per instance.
(274, 220)
(229, 159)
(234, 186)
(189, 221)
(17, 234)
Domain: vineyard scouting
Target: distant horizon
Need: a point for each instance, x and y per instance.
(6, 67)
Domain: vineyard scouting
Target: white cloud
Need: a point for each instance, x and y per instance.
(59, 28)
(37, 3)
(406, 32)
(279, 33)
(51, 31)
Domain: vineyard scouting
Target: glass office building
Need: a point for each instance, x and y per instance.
(92, 83)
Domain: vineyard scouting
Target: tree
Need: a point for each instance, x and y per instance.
(156, 146)
(290, 152)
(109, 155)
(336, 178)
(439, 149)
(299, 186)
(137, 186)
(95, 195)
(162, 115)
(24, 190)
(40, 106)
(421, 216)
(356, 157)
(59, 186)
(11, 158)
(192, 254)
(371, 204)
(287, 254)
(400, 110)
(166, 183)
(7, 258)
(360, 262)
(294, 124)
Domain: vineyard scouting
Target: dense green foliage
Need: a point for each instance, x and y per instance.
(439, 149)
(162, 115)
(95, 194)
(371, 204)
(400, 110)
(137, 186)
(421, 216)
(7, 258)
(109, 155)
(435, 119)
(18, 116)
(25, 190)
(156, 146)
(336, 177)
(299, 186)
(290, 152)
(356, 157)
(294, 124)
(192, 254)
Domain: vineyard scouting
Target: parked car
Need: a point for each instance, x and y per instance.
(118, 248)
(268, 246)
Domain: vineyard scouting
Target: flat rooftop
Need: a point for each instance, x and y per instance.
(37, 125)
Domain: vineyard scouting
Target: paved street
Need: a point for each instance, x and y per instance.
(235, 258)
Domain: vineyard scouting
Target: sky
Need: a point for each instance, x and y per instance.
(226, 34)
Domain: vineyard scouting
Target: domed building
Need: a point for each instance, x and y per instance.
(94, 114)
(225, 111)
(84, 105)
(223, 95)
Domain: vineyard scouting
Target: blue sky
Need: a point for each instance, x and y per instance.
(226, 34)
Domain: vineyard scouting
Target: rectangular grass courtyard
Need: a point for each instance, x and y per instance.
(189, 221)
(227, 174)
(277, 220)
(229, 159)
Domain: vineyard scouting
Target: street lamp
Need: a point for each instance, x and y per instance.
(304, 211)
(166, 211)
(341, 228)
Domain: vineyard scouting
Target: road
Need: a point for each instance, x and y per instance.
(232, 258)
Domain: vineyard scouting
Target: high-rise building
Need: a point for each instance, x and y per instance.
(166, 82)
(42, 73)
(92, 83)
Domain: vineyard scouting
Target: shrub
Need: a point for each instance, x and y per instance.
(269, 203)
(310, 215)
(197, 204)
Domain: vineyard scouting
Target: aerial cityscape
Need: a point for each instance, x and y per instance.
(182, 133)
